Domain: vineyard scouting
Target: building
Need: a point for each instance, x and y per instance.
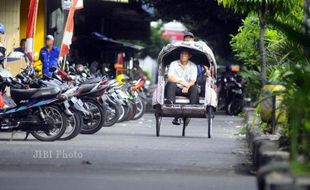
(13, 14)
(117, 19)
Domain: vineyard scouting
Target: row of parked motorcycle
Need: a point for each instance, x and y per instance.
(61, 106)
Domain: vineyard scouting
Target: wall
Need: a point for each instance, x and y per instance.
(9, 16)
(40, 28)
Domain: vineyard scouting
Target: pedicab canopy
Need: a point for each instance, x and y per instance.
(201, 54)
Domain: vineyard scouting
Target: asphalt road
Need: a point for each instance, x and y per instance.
(129, 156)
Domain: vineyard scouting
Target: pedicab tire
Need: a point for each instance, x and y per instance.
(184, 127)
(158, 122)
(183, 131)
(210, 118)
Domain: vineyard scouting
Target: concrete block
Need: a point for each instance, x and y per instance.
(268, 156)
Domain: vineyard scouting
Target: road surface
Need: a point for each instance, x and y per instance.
(130, 156)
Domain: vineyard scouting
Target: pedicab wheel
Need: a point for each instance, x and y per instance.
(210, 119)
(158, 122)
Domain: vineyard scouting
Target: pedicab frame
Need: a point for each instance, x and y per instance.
(200, 54)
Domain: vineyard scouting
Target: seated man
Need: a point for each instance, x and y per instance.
(182, 76)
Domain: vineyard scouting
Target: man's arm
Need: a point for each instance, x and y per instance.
(41, 58)
(191, 83)
(174, 79)
(193, 77)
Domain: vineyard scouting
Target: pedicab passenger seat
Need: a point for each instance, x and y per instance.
(185, 100)
(183, 108)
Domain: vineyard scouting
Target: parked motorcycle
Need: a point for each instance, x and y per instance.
(32, 110)
(234, 100)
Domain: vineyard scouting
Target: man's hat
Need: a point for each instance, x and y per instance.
(49, 37)
(188, 34)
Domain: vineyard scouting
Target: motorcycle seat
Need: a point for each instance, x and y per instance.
(64, 87)
(34, 93)
(92, 80)
(86, 87)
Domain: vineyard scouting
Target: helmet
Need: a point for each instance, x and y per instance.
(122, 78)
(2, 28)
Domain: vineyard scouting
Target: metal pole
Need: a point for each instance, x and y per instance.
(273, 117)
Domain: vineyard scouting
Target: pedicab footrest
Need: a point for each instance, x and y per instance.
(181, 110)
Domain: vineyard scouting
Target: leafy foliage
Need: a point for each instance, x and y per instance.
(298, 101)
(287, 60)
(270, 7)
(264, 9)
(245, 43)
(156, 43)
(245, 48)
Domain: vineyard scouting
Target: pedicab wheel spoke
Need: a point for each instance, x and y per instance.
(210, 110)
(158, 122)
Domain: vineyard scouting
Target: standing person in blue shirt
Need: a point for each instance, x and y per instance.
(49, 56)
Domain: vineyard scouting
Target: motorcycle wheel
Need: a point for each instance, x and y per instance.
(141, 107)
(122, 112)
(234, 108)
(133, 112)
(74, 126)
(93, 123)
(113, 114)
(127, 110)
(55, 117)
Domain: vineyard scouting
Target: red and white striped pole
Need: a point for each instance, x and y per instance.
(31, 27)
(68, 33)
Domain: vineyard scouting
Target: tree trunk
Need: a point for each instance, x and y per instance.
(262, 49)
(307, 16)
(307, 22)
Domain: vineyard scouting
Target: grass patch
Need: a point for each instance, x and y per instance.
(301, 169)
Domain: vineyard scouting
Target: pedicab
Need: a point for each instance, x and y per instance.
(181, 108)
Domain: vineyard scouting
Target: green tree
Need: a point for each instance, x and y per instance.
(265, 9)
(245, 49)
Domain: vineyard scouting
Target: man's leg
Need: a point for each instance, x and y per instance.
(193, 94)
(170, 91)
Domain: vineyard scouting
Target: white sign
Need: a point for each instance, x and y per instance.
(66, 4)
